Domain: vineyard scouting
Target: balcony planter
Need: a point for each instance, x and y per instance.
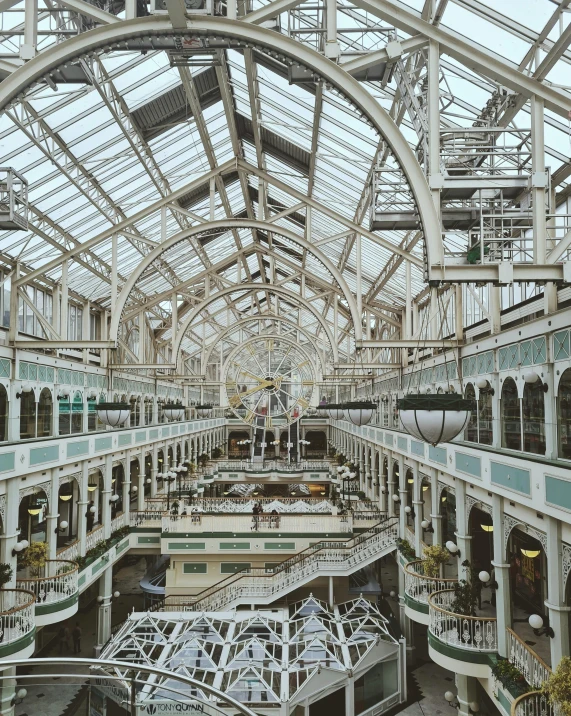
(113, 414)
(359, 412)
(204, 411)
(434, 418)
(173, 411)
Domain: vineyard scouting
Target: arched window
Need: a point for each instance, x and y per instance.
(485, 431)
(4, 405)
(135, 411)
(511, 418)
(471, 430)
(564, 415)
(534, 418)
(77, 413)
(27, 415)
(148, 411)
(448, 512)
(45, 413)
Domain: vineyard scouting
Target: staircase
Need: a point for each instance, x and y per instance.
(255, 586)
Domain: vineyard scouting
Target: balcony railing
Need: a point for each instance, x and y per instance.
(418, 586)
(533, 703)
(147, 518)
(118, 522)
(202, 523)
(56, 582)
(16, 615)
(70, 552)
(256, 584)
(94, 537)
(468, 633)
(534, 669)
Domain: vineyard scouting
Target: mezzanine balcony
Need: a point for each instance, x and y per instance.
(55, 587)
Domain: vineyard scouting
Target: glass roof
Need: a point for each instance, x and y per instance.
(136, 129)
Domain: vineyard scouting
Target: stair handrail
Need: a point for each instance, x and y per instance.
(287, 564)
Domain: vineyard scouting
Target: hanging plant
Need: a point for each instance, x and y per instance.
(558, 687)
(5, 573)
(434, 557)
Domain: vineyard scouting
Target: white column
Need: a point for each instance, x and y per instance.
(463, 539)
(501, 576)
(52, 518)
(104, 610)
(556, 603)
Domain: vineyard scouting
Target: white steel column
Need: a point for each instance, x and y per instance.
(501, 575)
(538, 180)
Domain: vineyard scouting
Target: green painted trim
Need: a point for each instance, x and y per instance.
(103, 444)
(165, 432)
(7, 461)
(139, 437)
(195, 568)
(124, 439)
(154, 433)
(18, 645)
(417, 448)
(279, 545)
(468, 464)
(186, 545)
(503, 699)
(437, 454)
(417, 606)
(81, 580)
(512, 478)
(148, 540)
(121, 546)
(100, 563)
(235, 545)
(233, 567)
(296, 535)
(145, 530)
(57, 606)
(49, 453)
(79, 448)
(558, 492)
(402, 443)
(468, 656)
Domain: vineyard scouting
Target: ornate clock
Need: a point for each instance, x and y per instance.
(268, 379)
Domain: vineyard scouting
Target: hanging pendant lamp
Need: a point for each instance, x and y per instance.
(113, 414)
(359, 412)
(335, 411)
(204, 411)
(434, 418)
(173, 411)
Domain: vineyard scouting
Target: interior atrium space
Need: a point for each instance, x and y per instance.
(285, 357)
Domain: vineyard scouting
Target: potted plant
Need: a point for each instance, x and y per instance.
(35, 557)
(406, 549)
(433, 559)
(5, 574)
(558, 687)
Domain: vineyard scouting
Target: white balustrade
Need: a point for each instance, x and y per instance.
(17, 614)
(418, 586)
(325, 556)
(94, 537)
(118, 522)
(70, 552)
(146, 518)
(56, 582)
(469, 633)
(533, 668)
(534, 703)
(201, 522)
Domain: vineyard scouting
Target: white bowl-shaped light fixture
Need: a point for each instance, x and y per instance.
(482, 383)
(116, 594)
(340, 469)
(173, 411)
(434, 418)
(359, 412)
(204, 411)
(535, 621)
(113, 414)
(396, 498)
(474, 707)
(449, 696)
(452, 547)
(335, 411)
(425, 524)
(407, 509)
(63, 525)
(484, 576)
(531, 377)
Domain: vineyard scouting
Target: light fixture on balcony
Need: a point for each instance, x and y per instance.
(474, 707)
(20, 546)
(92, 488)
(18, 697)
(66, 497)
(396, 498)
(485, 578)
(427, 526)
(451, 699)
(409, 511)
(34, 509)
(531, 553)
(24, 388)
(453, 548)
(410, 480)
(63, 525)
(487, 528)
(148, 480)
(113, 499)
(536, 623)
(424, 488)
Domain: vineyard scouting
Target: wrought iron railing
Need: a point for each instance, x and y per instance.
(534, 669)
(17, 609)
(255, 584)
(94, 537)
(56, 581)
(419, 586)
(472, 633)
(118, 522)
(69, 552)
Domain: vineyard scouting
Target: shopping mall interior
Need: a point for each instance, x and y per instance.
(285, 357)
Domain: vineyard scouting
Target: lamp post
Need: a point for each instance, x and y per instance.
(169, 477)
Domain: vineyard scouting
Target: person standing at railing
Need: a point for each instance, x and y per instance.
(255, 518)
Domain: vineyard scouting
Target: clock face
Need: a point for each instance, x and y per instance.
(269, 378)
